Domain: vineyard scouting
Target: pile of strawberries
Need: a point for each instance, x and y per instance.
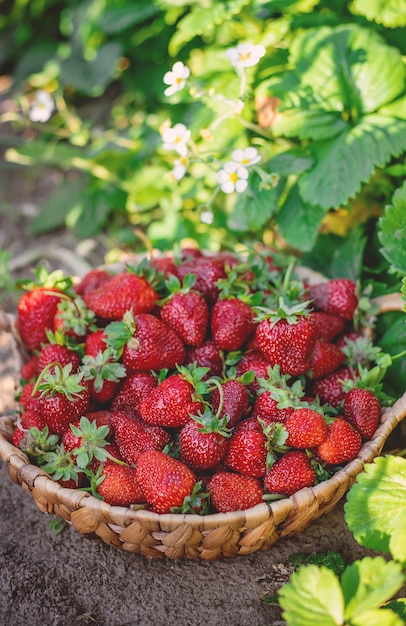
(196, 383)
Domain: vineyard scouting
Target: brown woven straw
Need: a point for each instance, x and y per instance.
(190, 536)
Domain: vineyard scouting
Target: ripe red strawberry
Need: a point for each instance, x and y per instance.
(135, 388)
(306, 428)
(291, 472)
(203, 444)
(325, 359)
(29, 399)
(247, 453)
(103, 375)
(232, 323)
(234, 492)
(235, 401)
(186, 311)
(72, 318)
(35, 315)
(30, 369)
(330, 389)
(95, 342)
(121, 293)
(154, 345)
(337, 297)
(64, 398)
(18, 437)
(165, 481)
(342, 444)
(363, 410)
(255, 362)
(266, 408)
(208, 271)
(328, 326)
(132, 437)
(171, 403)
(28, 419)
(206, 355)
(287, 342)
(92, 281)
(53, 352)
(166, 265)
(119, 486)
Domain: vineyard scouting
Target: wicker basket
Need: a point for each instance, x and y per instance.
(189, 536)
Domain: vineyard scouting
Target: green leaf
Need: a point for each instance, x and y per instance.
(57, 207)
(202, 21)
(299, 223)
(377, 617)
(391, 330)
(313, 597)
(91, 77)
(390, 13)
(350, 159)
(398, 606)
(255, 207)
(376, 504)
(290, 162)
(310, 124)
(397, 542)
(368, 583)
(339, 257)
(392, 231)
(115, 20)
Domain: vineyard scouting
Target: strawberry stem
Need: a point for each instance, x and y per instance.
(46, 369)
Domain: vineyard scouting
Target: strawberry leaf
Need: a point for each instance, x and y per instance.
(376, 506)
(313, 597)
(392, 231)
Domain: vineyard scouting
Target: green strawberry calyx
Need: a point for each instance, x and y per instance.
(282, 312)
(174, 286)
(54, 280)
(195, 503)
(100, 368)
(120, 334)
(61, 380)
(93, 443)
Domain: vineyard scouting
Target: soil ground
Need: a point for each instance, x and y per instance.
(65, 580)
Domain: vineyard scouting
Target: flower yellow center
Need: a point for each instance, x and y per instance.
(178, 139)
(233, 177)
(178, 80)
(245, 162)
(244, 56)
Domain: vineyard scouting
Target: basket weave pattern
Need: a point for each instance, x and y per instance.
(188, 536)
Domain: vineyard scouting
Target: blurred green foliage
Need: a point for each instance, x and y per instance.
(325, 107)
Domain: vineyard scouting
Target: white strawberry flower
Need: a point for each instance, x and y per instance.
(179, 170)
(42, 107)
(233, 177)
(176, 78)
(246, 157)
(245, 54)
(176, 138)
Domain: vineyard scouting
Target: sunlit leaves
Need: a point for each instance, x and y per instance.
(392, 231)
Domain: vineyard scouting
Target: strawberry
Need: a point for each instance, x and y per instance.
(121, 293)
(53, 352)
(232, 323)
(208, 271)
(35, 315)
(306, 428)
(255, 362)
(203, 441)
(185, 311)
(95, 342)
(337, 297)
(342, 444)
(30, 399)
(328, 326)
(132, 437)
(165, 481)
(266, 408)
(72, 318)
(330, 389)
(153, 346)
(247, 453)
(134, 389)
(91, 281)
(31, 419)
(206, 355)
(235, 401)
(363, 410)
(172, 402)
(63, 397)
(166, 265)
(103, 375)
(30, 368)
(325, 359)
(119, 486)
(234, 492)
(291, 472)
(286, 337)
